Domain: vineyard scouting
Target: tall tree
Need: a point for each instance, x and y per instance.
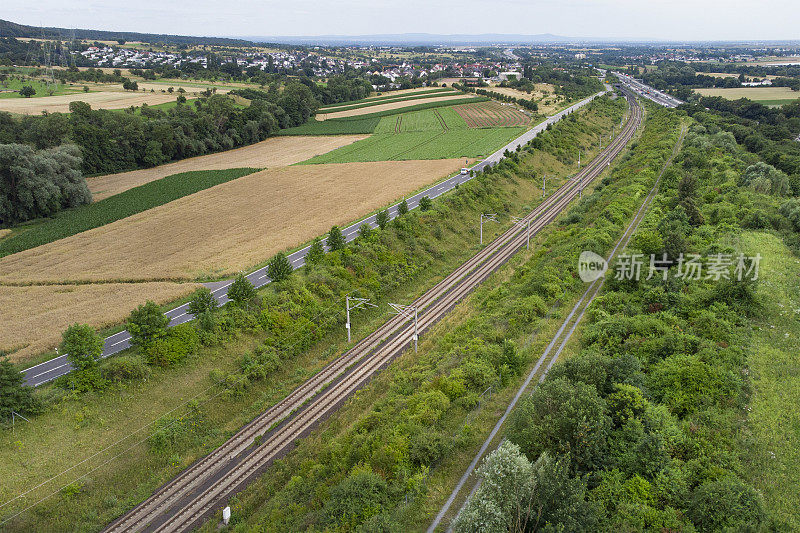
(14, 395)
(382, 218)
(335, 239)
(39, 183)
(147, 323)
(241, 290)
(202, 302)
(82, 345)
(279, 267)
(316, 252)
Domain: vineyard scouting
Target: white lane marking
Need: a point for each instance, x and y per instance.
(46, 372)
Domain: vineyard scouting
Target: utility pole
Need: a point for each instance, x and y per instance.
(487, 216)
(358, 303)
(408, 311)
(544, 184)
(521, 222)
(579, 159)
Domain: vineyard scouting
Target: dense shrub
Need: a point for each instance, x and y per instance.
(179, 342)
(124, 368)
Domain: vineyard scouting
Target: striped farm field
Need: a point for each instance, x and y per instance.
(391, 106)
(391, 97)
(491, 115)
(270, 153)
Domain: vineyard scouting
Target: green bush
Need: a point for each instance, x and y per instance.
(179, 342)
(124, 368)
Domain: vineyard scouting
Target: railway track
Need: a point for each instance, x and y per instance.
(204, 486)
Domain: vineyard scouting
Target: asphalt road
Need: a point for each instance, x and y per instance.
(648, 92)
(59, 366)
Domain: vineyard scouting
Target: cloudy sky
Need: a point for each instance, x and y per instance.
(624, 19)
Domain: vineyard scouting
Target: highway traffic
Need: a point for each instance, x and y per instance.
(648, 92)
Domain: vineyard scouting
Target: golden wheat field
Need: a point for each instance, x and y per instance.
(98, 100)
(273, 152)
(35, 316)
(753, 93)
(385, 107)
(226, 228)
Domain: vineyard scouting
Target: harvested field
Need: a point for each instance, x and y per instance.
(389, 96)
(98, 100)
(387, 107)
(542, 90)
(753, 93)
(34, 317)
(271, 153)
(387, 100)
(491, 115)
(221, 230)
(4, 233)
(188, 87)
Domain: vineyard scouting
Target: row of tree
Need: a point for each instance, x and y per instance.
(111, 141)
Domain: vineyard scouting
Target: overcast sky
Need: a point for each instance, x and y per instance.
(623, 19)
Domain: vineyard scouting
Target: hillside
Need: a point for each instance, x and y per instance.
(12, 29)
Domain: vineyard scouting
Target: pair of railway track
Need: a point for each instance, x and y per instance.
(203, 487)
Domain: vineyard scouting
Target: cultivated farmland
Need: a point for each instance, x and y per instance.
(147, 196)
(387, 107)
(437, 133)
(491, 114)
(35, 316)
(766, 95)
(387, 99)
(271, 153)
(98, 100)
(221, 230)
(462, 142)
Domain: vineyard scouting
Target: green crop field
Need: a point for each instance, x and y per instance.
(436, 133)
(399, 98)
(72, 221)
(425, 120)
(471, 143)
(10, 88)
(774, 103)
(366, 123)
